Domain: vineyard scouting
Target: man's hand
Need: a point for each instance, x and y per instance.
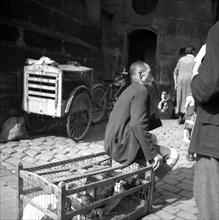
(157, 161)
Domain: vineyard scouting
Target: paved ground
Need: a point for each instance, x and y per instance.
(175, 190)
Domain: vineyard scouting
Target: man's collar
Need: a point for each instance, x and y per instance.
(189, 55)
(135, 80)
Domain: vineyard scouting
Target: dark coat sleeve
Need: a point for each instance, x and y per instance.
(205, 85)
(139, 124)
(205, 90)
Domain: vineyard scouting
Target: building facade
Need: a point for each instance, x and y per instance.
(101, 34)
(155, 31)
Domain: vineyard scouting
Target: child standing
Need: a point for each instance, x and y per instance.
(189, 118)
(163, 105)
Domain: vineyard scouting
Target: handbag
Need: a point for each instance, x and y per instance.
(154, 122)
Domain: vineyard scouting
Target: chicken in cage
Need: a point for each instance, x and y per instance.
(89, 187)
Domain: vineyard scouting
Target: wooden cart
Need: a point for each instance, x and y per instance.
(91, 184)
(63, 91)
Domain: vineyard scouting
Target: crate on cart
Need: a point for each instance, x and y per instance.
(88, 187)
(55, 92)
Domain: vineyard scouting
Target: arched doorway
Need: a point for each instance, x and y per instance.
(142, 45)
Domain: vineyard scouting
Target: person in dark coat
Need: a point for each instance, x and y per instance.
(127, 137)
(205, 137)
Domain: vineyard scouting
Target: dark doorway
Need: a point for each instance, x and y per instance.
(142, 46)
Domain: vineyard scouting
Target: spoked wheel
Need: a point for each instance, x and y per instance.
(99, 103)
(37, 123)
(79, 116)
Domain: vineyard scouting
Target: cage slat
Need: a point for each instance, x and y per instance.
(41, 182)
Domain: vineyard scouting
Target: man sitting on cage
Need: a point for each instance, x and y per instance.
(127, 137)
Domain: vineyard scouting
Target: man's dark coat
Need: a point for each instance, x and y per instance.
(205, 90)
(127, 129)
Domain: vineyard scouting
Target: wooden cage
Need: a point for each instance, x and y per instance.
(88, 187)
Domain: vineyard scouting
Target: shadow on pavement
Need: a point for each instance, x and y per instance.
(95, 133)
(175, 189)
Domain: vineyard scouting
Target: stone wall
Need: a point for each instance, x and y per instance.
(60, 29)
(71, 30)
(176, 22)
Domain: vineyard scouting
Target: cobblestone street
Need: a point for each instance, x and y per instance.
(174, 191)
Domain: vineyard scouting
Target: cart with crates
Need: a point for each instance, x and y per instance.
(58, 92)
(88, 187)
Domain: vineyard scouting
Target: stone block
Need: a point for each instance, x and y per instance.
(48, 153)
(61, 157)
(19, 155)
(186, 215)
(72, 150)
(30, 53)
(76, 49)
(10, 55)
(171, 27)
(18, 9)
(41, 41)
(188, 28)
(168, 194)
(8, 33)
(7, 165)
(8, 150)
(165, 215)
(3, 7)
(185, 186)
(29, 159)
(171, 209)
(4, 171)
(4, 156)
(171, 181)
(44, 158)
(177, 177)
(151, 217)
(58, 151)
(186, 175)
(63, 23)
(76, 5)
(21, 148)
(186, 194)
(202, 14)
(11, 144)
(91, 34)
(57, 4)
(187, 208)
(32, 153)
(40, 15)
(13, 161)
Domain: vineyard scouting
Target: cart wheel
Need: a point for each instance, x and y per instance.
(99, 104)
(79, 116)
(37, 123)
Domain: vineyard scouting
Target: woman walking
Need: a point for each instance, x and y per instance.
(182, 79)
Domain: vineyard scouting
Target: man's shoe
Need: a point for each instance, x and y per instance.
(190, 157)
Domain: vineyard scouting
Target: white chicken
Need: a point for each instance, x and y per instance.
(48, 202)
